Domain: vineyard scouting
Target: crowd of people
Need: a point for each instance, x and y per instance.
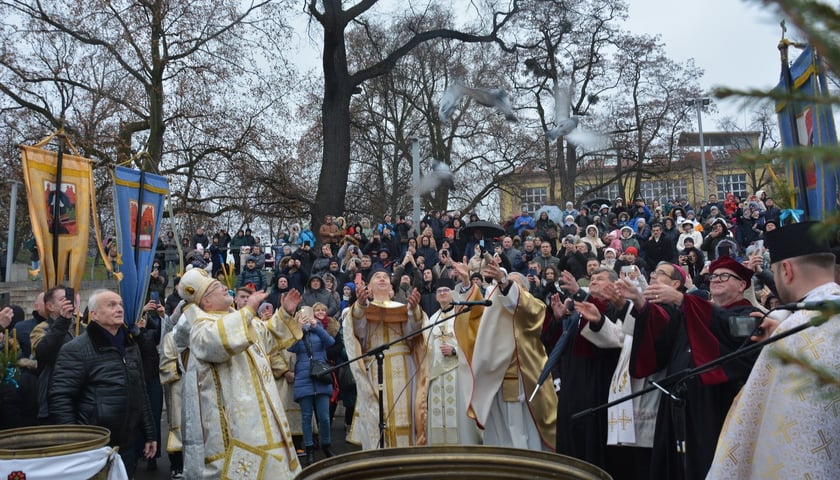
(494, 336)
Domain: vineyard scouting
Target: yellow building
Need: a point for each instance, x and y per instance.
(661, 179)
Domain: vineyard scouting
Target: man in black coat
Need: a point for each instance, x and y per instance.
(659, 248)
(48, 337)
(99, 380)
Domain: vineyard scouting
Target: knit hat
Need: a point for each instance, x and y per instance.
(194, 285)
(632, 250)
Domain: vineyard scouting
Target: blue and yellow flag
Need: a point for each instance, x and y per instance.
(805, 123)
(138, 204)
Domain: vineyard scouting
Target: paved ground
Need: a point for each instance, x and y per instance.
(338, 445)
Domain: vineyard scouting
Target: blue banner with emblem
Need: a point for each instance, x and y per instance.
(138, 205)
(804, 123)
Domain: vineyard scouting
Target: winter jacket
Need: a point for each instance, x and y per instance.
(319, 340)
(252, 275)
(95, 384)
(57, 333)
(321, 295)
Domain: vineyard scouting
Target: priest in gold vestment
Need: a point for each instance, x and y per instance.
(245, 433)
(502, 358)
(372, 323)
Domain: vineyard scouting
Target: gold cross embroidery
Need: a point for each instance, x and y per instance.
(826, 442)
(784, 428)
(811, 345)
(624, 419)
(773, 471)
(731, 453)
(613, 421)
(834, 405)
(797, 387)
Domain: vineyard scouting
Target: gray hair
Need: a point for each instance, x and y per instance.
(522, 280)
(612, 274)
(93, 300)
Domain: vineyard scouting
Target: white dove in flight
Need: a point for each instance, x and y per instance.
(567, 126)
(438, 175)
(489, 97)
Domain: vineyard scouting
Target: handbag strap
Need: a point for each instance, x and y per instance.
(307, 343)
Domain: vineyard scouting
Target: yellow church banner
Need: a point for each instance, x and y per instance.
(63, 244)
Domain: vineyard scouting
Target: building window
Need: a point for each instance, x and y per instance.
(736, 183)
(663, 190)
(533, 198)
(610, 191)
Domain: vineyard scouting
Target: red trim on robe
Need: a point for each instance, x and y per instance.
(705, 346)
(654, 320)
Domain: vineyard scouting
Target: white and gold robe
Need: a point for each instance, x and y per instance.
(405, 371)
(784, 424)
(448, 423)
(286, 391)
(502, 359)
(170, 380)
(245, 432)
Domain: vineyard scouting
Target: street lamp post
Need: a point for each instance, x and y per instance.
(10, 255)
(699, 103)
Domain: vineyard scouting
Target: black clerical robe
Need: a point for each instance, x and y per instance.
(681, 338)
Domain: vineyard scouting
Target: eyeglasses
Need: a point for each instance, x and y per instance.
(724, 277)
(443, 290)
(657, 273)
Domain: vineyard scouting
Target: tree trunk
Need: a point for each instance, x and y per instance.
(335, 111)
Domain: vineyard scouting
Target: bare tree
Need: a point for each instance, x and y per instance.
(340, 83)
(648, 109)
(197, 84)
(753, 143)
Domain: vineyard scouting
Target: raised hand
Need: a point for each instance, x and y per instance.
(290, 301)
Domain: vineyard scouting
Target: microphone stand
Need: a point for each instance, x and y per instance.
(688, 373)
(379, 353)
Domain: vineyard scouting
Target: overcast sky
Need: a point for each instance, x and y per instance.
(733, 41)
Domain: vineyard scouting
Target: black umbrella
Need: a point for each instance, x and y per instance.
(570, 324)
(596, 203)
(487, 229)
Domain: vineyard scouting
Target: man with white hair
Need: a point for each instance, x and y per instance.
(241, 418)
(502, 358)
(98, 380)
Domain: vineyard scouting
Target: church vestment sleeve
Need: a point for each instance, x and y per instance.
(284, 328)
(169, 360)
(215, 340)
(610, 335)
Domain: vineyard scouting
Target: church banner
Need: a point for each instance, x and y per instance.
(805, 123)
(138, 205)
(63, 244)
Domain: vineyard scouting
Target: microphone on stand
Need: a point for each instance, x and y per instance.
(833, 304)
(477, 303)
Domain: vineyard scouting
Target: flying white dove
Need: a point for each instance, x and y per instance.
(489, 97)
(563, 123)
(439, 174)
(567, 126)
